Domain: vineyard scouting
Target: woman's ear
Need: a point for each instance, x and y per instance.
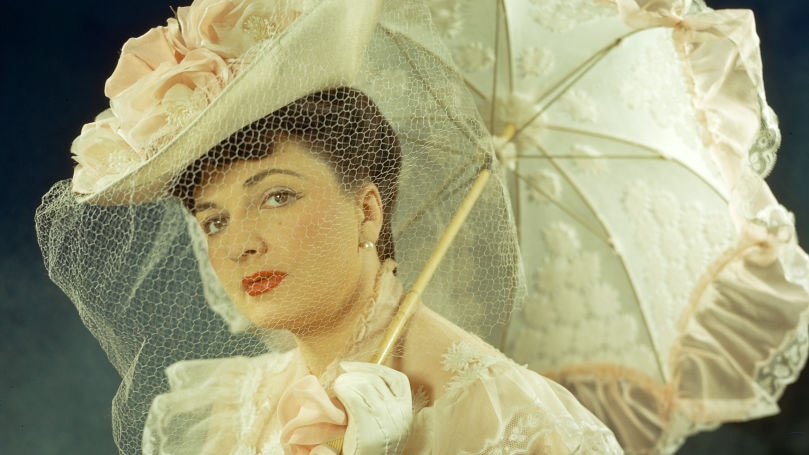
(370, 203)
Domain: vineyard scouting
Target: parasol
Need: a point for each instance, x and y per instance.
(665, 285)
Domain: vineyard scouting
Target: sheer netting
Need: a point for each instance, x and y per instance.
(270, 177)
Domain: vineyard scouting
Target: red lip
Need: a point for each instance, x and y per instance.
(263, 281)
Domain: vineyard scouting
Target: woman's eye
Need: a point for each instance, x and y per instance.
(214, 225)
(280, 198)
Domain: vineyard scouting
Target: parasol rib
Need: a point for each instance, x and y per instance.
(396, 37)
(500, 17)
(574, 76)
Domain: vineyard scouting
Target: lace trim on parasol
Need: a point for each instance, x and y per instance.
(731, 362)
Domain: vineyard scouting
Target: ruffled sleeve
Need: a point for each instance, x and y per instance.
(505, 409)
(221, 406)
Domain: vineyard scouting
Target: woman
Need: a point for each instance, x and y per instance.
(297, 234)
(292, 186)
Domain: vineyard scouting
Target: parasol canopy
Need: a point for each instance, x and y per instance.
(665, 285)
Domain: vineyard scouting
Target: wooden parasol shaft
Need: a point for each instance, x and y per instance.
(413, 297)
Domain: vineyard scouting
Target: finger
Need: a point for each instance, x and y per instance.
(360, 390)
(396, 382)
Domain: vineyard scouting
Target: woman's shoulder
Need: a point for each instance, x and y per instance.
(509, 402)
(445, 358)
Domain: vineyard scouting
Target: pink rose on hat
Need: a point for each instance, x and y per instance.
(165, 78)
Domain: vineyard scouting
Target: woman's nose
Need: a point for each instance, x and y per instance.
(246, 243)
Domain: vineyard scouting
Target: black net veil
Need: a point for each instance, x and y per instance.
(324, 95)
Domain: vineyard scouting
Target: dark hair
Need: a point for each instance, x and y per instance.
(342, 126)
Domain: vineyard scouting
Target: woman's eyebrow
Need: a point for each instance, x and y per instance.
(202, 207)
(249, 182)
(258, 177)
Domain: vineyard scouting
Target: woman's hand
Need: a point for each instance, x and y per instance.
(379, 406)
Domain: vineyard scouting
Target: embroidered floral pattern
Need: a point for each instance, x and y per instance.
(577, 105)
(447, 16)
(535, 62)
(465, 363)
(532, 431)
(642, 88)
(421, 399)
(678, 239)
(474, 57)
(589, 160)
(560, 15)
(571, 295)
(519, 434)
(251, 405)
(544, 186)
(562, 240)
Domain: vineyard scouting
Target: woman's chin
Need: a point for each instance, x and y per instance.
(270, 313)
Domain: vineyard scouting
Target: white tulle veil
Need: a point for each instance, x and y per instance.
(134, 260)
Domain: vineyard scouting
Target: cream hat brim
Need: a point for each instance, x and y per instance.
(323, 48)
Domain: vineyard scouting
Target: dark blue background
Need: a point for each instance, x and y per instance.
(56, 384)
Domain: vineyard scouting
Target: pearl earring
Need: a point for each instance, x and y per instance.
(367, 245)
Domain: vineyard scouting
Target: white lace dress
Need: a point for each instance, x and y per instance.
(471, 399)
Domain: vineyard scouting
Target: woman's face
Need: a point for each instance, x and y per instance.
(283, 238)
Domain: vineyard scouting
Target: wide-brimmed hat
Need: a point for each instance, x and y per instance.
(181, 89)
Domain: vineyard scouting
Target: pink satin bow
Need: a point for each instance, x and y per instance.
(309, 418)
